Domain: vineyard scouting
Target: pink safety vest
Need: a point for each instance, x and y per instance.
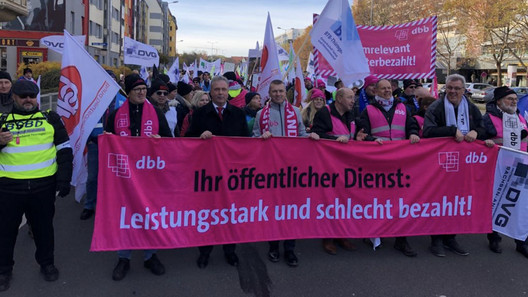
(339, 128)
(381, 129)
(420, 121)
(497, 123)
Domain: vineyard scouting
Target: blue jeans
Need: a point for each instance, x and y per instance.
(127, 254)
(91, 182)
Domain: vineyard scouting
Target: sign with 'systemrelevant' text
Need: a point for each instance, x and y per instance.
(231, 190)
(401, 51)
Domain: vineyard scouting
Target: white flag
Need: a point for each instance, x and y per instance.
(174, 71)
(335, 36)
(38, 95)
(282, 53)
(310, 65)
(300, 88)
(269, 62)
(254, 53)
(137, 53)
(510, 190)
(56, 42)
(85, 91)
(143, 73)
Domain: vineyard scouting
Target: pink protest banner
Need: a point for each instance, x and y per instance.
(169, 193)
(401, 51)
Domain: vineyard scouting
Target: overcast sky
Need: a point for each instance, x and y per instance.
(231, 27)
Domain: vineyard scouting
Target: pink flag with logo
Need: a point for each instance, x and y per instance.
(153, 198)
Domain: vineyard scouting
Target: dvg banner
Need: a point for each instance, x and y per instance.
(231, 190)
(137, 53)
(510, 194)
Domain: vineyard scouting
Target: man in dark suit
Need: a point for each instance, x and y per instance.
(218, 118)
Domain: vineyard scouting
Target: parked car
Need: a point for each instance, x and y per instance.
(488, 94)
(521, 91)
(476, 90)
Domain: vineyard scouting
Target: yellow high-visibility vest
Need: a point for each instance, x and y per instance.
(31, 153)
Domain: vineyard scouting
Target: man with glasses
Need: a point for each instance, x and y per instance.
(408, 96)
(35, 162)
(505, 126)
(158, 96)
(137, 117)
(452, 116)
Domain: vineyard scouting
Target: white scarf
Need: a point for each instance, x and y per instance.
(385, 103)
(511, 131)
(461, 121)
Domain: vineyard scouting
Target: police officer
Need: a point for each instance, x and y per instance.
(35, 161)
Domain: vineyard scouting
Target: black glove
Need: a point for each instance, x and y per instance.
(63, 188)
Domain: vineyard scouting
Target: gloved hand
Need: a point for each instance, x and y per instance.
(63, 188)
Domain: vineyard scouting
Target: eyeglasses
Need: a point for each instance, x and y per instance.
(162, 93)
(137, 90)
(458, 89)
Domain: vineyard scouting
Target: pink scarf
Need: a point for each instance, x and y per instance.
(149, 120)
(290, 119)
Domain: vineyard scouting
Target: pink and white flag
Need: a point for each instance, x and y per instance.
(85, 91)
(300, 88)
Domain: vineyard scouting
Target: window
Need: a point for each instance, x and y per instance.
(155, 42)
(155, 29)
(72, 29)
(154, 15)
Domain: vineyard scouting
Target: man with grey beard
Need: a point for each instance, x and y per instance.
(505, 126)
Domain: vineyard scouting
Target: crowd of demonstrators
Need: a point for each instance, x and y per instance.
(316, 101)
(505, 126)
(35, 164)
(219, 118)
(380, 111)
(199, 99)
(271, 121)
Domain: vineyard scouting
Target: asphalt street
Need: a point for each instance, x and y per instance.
(364, 272)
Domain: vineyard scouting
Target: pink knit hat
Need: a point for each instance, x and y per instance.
(316, 93)
(369, 80)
